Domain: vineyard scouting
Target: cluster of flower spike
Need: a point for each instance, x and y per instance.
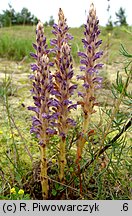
(52, 91)
(61, 33)
(42, 87)
(63, 89)
(89, 66)
(89, 70)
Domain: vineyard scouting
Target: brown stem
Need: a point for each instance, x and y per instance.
(81, 141)
(62, 159)
(43, 174)
(85, 128)
(80, 145)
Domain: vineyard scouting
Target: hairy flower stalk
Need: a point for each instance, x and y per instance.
(89, 68)
(42, 87)
(63, 89)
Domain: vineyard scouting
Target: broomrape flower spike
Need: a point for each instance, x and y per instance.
(63, 89)
(89, 70)
(42, 87)
(61, 33)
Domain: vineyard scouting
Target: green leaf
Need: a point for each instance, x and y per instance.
(54, 192)
(60, 187)
(56, 186)
(71, 169)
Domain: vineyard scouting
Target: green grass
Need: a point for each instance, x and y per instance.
(16, 42)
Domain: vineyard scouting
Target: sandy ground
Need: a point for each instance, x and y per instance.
(19, 74)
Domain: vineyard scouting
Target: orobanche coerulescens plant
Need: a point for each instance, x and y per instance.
(89, 70)
(43, 121)
(52, 91)
(63, 89)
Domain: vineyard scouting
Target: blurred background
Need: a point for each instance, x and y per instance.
(75, 11)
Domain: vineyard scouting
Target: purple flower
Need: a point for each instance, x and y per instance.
(54, 32)
(91, 71)
(64, 85)
(51, 64)
(63, 135)
(34, 46)
(98, 86)
(55, 115)
(98, 32)
(54, 103)
(72, 88)
(32, 91)
(58, 77)
(71, 122)
(33, 55)
(97, 44)
(82, 68)
(97, 55)
(45, 116)
(69, 36)
(44, 41)
(37, 103)
(83, 61)
(50, 131)
(31, 76)
(41, 142)
(66, 102)
(89, 48)
(37, 87)
(55, 26)
(98, 66)
(80, 94)
(98, 79)
(36, 122)
(81, 77)
(70, 74)
(49, 87)
(86, 85)
(73, 106)
(34, 130)
(34, 67)
(53, 124)
(83, 55)
(85, 42)
(53, 42)
(56, 93)
(35, 109)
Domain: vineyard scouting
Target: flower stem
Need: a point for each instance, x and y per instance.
(43, 174)
(62, 159)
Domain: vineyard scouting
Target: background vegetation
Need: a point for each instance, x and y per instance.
(15, 46)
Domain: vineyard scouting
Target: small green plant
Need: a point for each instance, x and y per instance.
(16, 194)
(6, 86)
(57, 188)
